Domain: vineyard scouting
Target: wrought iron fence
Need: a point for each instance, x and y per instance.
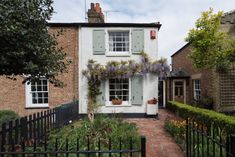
(37, 126)
(208, 140)
(43, 149)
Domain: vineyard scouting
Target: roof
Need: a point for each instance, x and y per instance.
(185, 46)
(156, 25)
(178, 73)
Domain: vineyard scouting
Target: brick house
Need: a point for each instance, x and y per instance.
(83, 41)
(187, 84)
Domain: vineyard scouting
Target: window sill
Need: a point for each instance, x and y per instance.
(37, 106)
(110, 105)
(118, 54)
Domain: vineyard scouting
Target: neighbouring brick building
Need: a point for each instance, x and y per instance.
(188, 84)
(17, 96)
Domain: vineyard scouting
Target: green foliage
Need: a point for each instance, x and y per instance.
(176, 129)
(96, 73)
(7, 116)
(204, 116)
(211, 47)
(103, 128)
(26, 48)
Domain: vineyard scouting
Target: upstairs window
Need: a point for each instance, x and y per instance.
(119, 41)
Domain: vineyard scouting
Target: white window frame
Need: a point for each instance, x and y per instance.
(117, 53)
(109, 103)
(28, 94)
(196, 89)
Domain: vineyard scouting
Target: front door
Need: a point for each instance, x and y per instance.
(160, 93)
(179, 92)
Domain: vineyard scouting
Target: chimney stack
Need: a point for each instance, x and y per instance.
(95, 14)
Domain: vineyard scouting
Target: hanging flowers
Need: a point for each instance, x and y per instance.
(96, 73)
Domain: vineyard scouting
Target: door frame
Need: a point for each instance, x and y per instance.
(163, 92)
(184, 88)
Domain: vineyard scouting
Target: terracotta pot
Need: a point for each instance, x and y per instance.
(116, 101)
(152, 101)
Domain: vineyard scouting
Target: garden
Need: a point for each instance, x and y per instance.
(201, 132)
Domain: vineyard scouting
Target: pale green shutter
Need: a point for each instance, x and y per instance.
(101, 97)
(137, 90)
(137, 41)
(98, 42)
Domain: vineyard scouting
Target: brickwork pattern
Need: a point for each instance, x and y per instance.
(12, 93)
(159, 142)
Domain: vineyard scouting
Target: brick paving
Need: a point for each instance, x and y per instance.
(159, 142)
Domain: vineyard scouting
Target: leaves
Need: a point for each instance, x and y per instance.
(26, 47)
(211, 47)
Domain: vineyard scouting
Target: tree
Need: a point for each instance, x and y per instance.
(26, 47)
(211, 47)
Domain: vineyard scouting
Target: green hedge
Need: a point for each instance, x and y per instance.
(203, 115)
(7, 115)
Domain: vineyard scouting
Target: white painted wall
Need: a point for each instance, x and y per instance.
(150, 84)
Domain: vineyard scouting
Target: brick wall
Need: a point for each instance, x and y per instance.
(183, 61)
(12, 93)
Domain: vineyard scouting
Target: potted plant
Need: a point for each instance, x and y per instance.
(116, 101)
(152, 101)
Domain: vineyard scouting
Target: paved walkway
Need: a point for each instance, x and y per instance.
(159, 142)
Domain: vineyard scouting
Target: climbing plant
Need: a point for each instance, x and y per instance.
(96, 73)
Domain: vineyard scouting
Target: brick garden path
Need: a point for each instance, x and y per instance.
(159, 142)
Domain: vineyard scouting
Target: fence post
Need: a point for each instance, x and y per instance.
(143, 146)
(3, 138)
(232, 144)
(187, 151)
(24, 130)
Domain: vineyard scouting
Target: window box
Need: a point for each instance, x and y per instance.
(116, 101)
(152, 101)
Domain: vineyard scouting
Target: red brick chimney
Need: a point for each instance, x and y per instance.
(95, 14)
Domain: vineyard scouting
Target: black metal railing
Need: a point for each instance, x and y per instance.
(66, 113)
(35, 127)
(208, 140)
(44, 149)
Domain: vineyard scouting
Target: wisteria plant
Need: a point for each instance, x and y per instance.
(96, 73)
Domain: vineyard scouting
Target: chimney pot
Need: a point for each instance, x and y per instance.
(95, 14)
(92, 6)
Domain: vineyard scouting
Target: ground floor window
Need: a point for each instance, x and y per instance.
(37, 93)
(196, 89)
(119, 88)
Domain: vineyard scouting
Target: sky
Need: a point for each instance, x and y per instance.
(176, 16)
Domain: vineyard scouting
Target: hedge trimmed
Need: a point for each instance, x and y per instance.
(203, 115)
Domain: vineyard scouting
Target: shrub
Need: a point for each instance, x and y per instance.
(7, 115)
(102, 128)
(203, 116)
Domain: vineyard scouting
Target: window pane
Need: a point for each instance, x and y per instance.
(39, 95)
(34, 101)
(44, 88)
(45, 95)
(45, 100)
(45, 82)
(39, 88)
(40, 100)
(33, 88)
